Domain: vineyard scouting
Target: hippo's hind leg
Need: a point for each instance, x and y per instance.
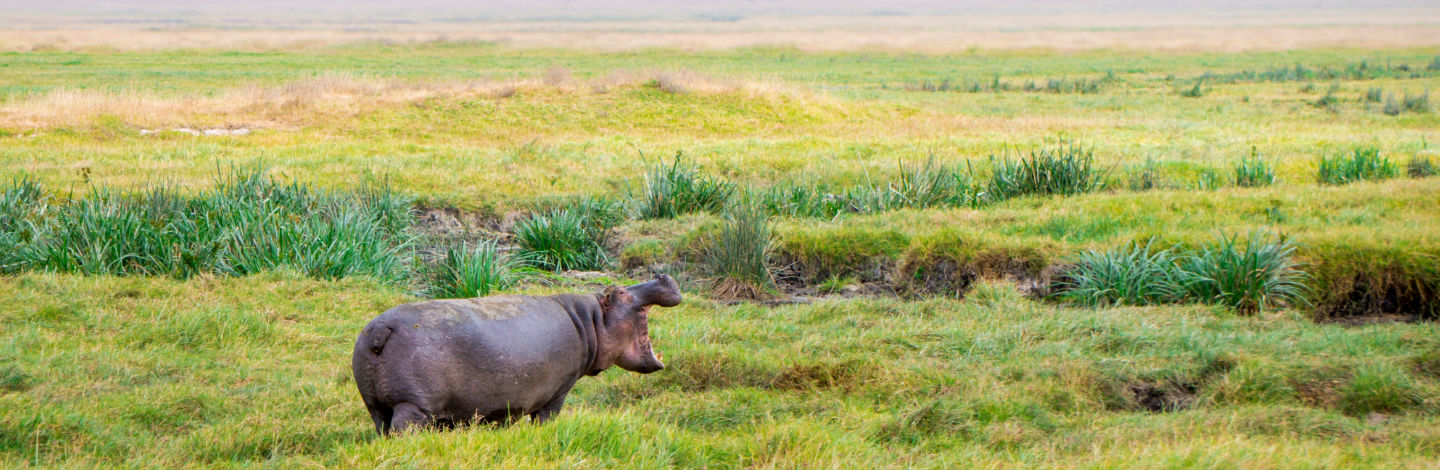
(407, 415)
(381, 414)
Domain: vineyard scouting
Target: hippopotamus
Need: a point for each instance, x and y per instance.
(498, 358)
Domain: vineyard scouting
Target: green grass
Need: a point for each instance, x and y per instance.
(1364, 163)
(677, 189)
(1130, 275)
(496, 154)
(254, 372)
(1420, 167)
(1253, 172)
(1245, 277)
(562, 241)
(1064, 171)
(477, 271)
(930, 184)
(737, 253)
(864, 178)
(249, 222)
(1418, 102)
(1249, 276)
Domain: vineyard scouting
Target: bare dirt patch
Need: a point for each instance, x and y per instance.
(1368, 300)
(1163, 396)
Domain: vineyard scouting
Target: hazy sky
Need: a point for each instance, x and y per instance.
(715, 10)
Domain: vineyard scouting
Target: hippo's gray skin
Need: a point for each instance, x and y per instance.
(448, 362)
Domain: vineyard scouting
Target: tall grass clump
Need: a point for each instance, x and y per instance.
(1374, 95)
(917, 186)
(1329, 100)
(1133, 274)
(1253, 172)
(1146, 177)
(803, 200)
(921, 186)
(1417, 103)
(1065, 171)
(1392, 107)
(22, 207)
(1210, 179)
(476, 271)
(562, 240)
(1248, 277)
(1363, 163)
(1420, 167)
(1195, 91)
(677, 188)
(737, 253)
(247, 223)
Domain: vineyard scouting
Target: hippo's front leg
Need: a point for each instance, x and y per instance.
(546, 412)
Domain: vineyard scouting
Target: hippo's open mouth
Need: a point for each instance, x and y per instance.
(650, 347)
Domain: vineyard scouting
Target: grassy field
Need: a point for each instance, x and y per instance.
(253, 372)
(906, 195)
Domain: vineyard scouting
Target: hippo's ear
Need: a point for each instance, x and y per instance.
(613, 298)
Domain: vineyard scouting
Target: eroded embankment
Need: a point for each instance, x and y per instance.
(1349, 281)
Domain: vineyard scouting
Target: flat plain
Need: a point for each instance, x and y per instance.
(915, 306)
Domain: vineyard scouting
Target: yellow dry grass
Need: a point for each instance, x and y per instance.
(329, 96)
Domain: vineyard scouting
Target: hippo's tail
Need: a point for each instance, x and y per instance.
(378, 337)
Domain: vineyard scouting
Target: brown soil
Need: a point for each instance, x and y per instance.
(944, 277)
(1370, 301)
(1163, 396)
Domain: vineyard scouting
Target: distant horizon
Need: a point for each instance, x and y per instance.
(336, 12)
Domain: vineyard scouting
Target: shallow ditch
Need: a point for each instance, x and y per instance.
(1366, 300)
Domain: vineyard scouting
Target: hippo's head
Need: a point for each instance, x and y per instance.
(627, 322)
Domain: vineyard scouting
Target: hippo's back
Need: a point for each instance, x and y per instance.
(462, 356)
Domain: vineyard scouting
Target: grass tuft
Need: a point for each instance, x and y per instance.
(22, 204)
(1363, 163)
(1253, 172)
(562, 240)
(248, 223)
(928, 185)
(1065, 171)
(476, 271)
(1420, 167)
(677, 188)
(804, 200)
(1246, 277)
(1417, 103)
(738, 253)
(1379, 388)
(1146, 177)
(1392, 107)
(1133, 274)
(1195, 91)
(1329, 100)
(1374, 95)
(920, 186)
